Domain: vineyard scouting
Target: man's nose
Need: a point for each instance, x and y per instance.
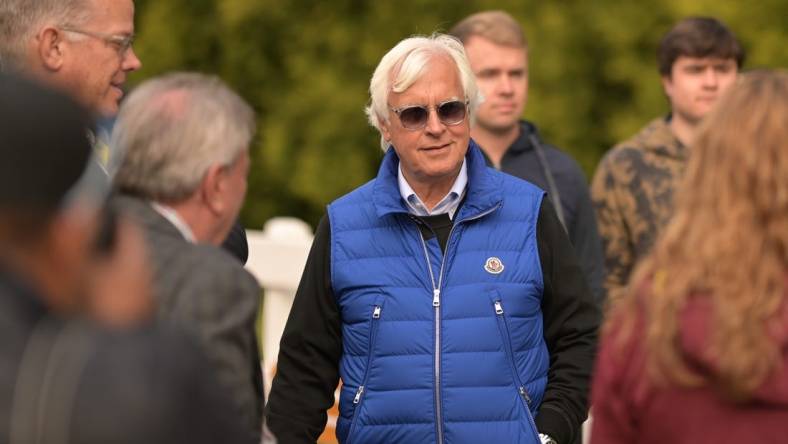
(434, 125)
(130, 60)
(710, 78)
(505, 85)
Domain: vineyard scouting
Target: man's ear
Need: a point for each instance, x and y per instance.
(50, 47)
(667, 85)
(384, 128)
(212, 188)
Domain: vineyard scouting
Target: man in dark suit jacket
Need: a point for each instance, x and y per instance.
(62, 377)
(183, 178)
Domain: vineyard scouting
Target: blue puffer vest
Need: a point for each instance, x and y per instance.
(439, 350)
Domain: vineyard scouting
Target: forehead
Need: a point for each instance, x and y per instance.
(115, 14)
(683, 60)
(484, 53)
(439, 80)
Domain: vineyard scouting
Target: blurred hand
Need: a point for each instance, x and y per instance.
(120, 279)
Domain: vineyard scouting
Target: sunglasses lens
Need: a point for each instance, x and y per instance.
(413, 117)
(452, 113)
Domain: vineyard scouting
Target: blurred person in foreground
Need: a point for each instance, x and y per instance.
(183, 179)
(698, 350)
(445, 294)
(498, 53)
(63, 378)
(634, 184)
(83, 48)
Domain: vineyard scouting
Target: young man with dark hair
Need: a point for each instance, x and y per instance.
(632, 189)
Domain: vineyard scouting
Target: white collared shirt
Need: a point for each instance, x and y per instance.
(448, 204)
(171, 215)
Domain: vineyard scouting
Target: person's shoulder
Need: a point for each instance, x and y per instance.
(212, 262)
(640, 141)
(562, 163)
(354, 197)
(559, 160)
(135, 208)
(512, 185)
(622, 155)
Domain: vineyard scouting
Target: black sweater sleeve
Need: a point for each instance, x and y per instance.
(571, 320)
(311, 347)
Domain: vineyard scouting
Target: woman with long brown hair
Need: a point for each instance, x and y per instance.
(698, 350)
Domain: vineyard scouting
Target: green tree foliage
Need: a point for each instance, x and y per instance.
(305, 67)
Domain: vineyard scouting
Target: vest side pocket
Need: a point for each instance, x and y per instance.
(506, 339)
(358, 400)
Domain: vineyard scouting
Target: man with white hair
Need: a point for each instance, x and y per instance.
(445, 294)
(183, 178)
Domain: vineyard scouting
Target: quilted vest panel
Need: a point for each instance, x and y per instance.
(471, 369)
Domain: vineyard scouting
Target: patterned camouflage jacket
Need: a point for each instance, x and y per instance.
(632, 193)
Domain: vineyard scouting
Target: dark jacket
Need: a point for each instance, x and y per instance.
(532, 159)
(69, 381)
(236, 243)
(204, 291)
(312, 343)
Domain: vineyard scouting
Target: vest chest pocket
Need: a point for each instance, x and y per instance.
(506, 339)
(374, 321)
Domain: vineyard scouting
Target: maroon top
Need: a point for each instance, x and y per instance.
(627, 408)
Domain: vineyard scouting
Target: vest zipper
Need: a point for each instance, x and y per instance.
(373, 328)
(503, 326)
(436, 302)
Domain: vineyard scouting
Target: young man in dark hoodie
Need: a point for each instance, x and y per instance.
(498, 53)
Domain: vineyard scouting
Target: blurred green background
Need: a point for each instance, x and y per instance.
(305, 67)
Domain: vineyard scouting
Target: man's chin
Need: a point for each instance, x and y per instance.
(107, 110)
(498, 126)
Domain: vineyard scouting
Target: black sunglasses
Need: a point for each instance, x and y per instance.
(414, 117)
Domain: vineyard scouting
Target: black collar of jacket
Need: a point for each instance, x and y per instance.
(523, 141)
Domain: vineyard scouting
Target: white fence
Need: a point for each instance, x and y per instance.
(276, 258)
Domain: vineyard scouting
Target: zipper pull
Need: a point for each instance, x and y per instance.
(436, 297)
(358, 394)
(376, 312)
(524, 394)
(498, 308)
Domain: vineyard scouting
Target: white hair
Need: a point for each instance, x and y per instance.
(21, 20)
(172, 129)
(405, 63)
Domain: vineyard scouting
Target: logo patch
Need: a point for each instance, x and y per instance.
(493, 265)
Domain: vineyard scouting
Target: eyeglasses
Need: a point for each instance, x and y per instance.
(122, 43)
(414, 117)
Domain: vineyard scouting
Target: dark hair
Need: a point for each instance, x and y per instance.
(44, 147)
(698, 37)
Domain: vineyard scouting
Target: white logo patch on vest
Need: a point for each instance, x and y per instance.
(493, 265)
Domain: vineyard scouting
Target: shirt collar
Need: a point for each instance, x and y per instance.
(448, 204)
(175, 219)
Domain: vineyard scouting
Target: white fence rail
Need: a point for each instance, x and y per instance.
(277, 255)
